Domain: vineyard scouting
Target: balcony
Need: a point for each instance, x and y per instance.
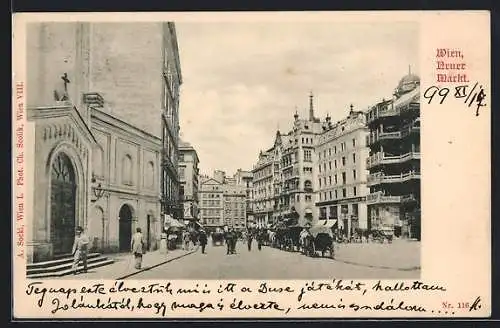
(377, 136)
(385, 112)
(381, 158)
(378, 178)
(379, 198)
(408, 198)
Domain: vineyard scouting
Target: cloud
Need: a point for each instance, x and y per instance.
(242, 80)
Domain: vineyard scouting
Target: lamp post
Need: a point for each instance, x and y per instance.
(97, 189)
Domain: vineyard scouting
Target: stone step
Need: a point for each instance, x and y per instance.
(56, 267)
(68, 258)
(98, 262)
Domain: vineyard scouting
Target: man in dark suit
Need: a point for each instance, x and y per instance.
(203, 240)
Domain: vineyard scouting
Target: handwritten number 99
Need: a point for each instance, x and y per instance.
(432, 91)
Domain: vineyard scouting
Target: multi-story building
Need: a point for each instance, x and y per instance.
(212, 204)
(263, 192)
(244, 178)
(297, 169)
(394, 162)
(189, 184)
(340, 165)
(171, 81)
(283, 177)
(234, 206)
(98, 131)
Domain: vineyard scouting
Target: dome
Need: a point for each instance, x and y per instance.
(409, 79)
(407, 83)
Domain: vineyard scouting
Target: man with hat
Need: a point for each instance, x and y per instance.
(203, 240)
(80, 250)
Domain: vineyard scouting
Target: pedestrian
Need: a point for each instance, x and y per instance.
(234, 240)
(227, 238)
(137, 247)
(186, 239)
(80, 250)
(203, 238)
(249, 241)
(163, 242)
(260, 238)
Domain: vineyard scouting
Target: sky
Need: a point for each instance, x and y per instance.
(243, 81)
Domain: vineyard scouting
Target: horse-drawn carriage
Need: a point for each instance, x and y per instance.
(320, 239)
(217, 238)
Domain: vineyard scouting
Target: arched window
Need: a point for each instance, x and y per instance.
(127, 170)
(150, 174)
(308, 184)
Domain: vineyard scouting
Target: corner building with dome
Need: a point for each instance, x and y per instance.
(394, 162)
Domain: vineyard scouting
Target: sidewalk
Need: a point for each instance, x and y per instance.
(124, 264)
(400, 255)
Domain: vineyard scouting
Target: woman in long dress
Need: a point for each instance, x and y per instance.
(137, 246)
(163, 242)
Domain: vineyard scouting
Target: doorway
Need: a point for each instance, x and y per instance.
(125, 228)
(62, 205)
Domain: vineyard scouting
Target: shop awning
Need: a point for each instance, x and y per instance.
(170, 222)
(326, 223)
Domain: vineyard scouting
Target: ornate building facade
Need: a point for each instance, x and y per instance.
(188, 176)
(212, 204)
(283, 177)
(95, 165)
(394, 162)
(341, 152)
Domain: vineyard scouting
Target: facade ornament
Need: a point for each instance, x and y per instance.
(64, 96)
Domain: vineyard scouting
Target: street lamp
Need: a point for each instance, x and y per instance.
(97, 190)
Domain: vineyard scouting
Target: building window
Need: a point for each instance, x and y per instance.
(181, 173)
(308, 198)
(354, 191)
(333, 212)
(344, 193)
(335, 149)
(336, 181)
(319, 182)
(335, 162)
(354, 158)
(329, 152)
(336, 194)
(343, 178)
(330, 194)
(181, 157)
(127, 170)
(330, 165)
(353, 142)
(343, 161)
(354, 174)
(322, 213)
(150, 175)
(330, 179)
(342, 146)
(307, 156)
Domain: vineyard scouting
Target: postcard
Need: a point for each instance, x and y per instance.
(251, 165)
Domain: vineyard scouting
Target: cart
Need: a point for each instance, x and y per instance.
(321, 239)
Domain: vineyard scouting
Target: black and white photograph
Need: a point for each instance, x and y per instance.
(231, 150)
(251, 165)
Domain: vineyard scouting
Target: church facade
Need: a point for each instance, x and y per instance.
(95, 134)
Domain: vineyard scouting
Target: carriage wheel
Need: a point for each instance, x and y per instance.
(312, 249)
(332, 252)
